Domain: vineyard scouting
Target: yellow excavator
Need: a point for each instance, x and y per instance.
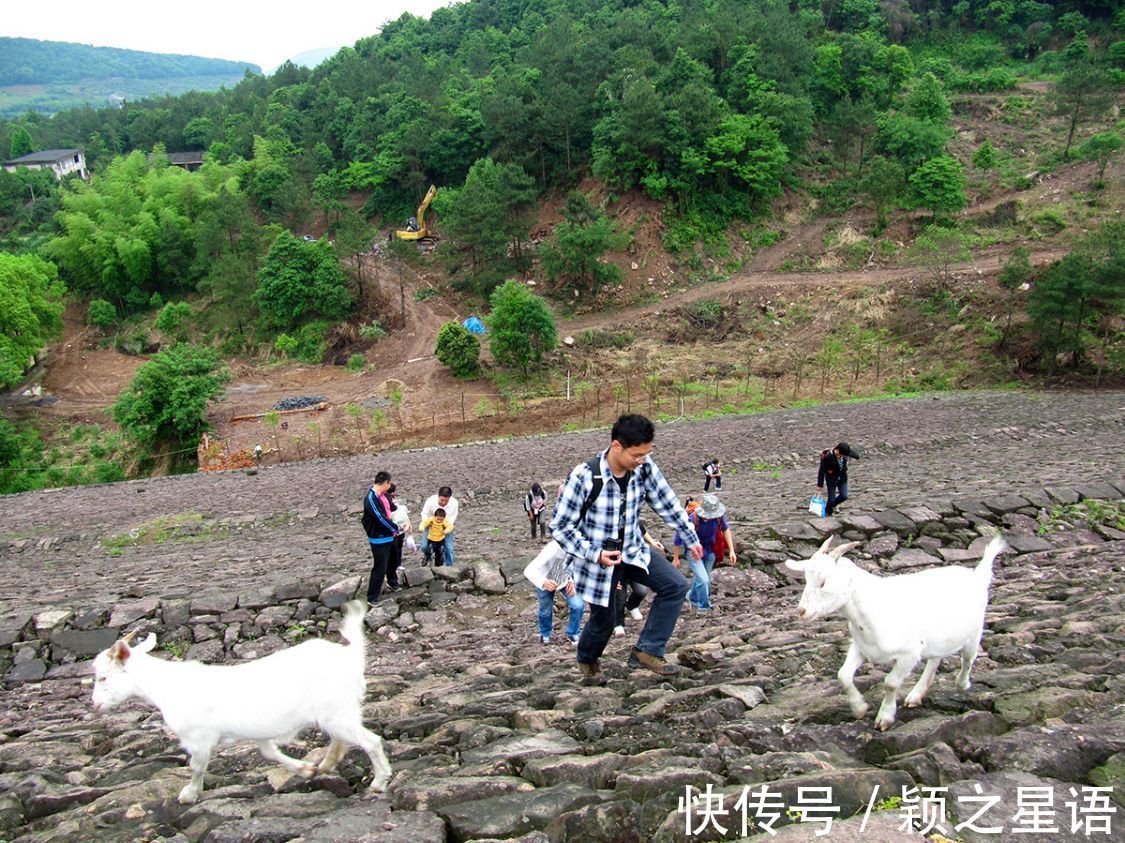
(416, 226)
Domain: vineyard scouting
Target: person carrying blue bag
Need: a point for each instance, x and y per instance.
(834, 474)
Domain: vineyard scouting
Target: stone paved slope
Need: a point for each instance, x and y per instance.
(488, 733)
(297, 521)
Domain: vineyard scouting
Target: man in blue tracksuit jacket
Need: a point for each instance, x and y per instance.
(380, 531)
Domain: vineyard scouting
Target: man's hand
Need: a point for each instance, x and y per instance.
(550, 585)
(696, 551)
(732, 558)
(570, 589)
(609, 558)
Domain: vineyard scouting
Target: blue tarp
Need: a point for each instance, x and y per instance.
(474, 325)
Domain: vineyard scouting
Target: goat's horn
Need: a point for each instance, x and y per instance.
(128, 639)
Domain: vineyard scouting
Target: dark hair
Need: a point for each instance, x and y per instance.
(382, 477)
(632, 430)
(536, 489)
(445, 492)
(844, 449)
(439, 511)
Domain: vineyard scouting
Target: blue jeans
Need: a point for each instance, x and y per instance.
(837, 493)
(700, 593)
(668, 586)
(547, 612)
(427, 553)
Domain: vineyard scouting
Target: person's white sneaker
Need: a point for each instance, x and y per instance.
(635, 614)
(546, 639)
(619, 630)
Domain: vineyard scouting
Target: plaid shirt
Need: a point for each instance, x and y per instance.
(583, 541)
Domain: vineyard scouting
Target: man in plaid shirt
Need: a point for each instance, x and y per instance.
(604, 546)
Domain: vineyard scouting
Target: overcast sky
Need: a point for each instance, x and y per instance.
(262, 33)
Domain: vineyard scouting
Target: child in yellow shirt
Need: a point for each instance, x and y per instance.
(437, 529)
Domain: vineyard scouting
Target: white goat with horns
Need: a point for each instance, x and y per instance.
(901, 619)
(317, 683)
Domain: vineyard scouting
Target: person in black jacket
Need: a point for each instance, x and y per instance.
(380, 531)
(834, 473)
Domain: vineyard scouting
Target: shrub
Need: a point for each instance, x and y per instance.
(372, 330)
(101, 314)
(458, 348)
(356, 363)
(173, 318)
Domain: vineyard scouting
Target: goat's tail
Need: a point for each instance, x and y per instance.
(995, 547)
(352, 626)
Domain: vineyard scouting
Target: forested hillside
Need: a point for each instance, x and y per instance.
(611, 153)
(26, 61)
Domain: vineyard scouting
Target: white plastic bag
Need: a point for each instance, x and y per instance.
(817, 505)
(411, 544)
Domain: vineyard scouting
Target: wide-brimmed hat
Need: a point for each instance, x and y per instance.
(711, 507)
(847, 450)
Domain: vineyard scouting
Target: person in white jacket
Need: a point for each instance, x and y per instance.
(547, 572)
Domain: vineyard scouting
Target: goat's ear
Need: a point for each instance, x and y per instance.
(120, 652)
(837, 552)
(797, 564)
(146, 645)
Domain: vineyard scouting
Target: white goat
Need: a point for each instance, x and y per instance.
(902, 619)
(317, 683)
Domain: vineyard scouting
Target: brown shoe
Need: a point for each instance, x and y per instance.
(592, 674)
(637, 658)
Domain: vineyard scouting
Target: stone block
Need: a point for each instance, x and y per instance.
(175, 612)
(294, 591)
(128, 613)
(920, 514)
(883, 544)
(1005, 503)
(894, 520)
(340, 592)
(1062, 494)
(910, 557)
(798, 530)
(956, 554)
(1097, 491)
(84, 643)
(1025, 543)
(863, 523)
(214, 604)
(972, 506)
(826, 526)
(416, 575)
(206, 651)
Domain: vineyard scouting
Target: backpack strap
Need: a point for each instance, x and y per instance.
(595, 466)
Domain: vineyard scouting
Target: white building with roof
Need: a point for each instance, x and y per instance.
(62, 162)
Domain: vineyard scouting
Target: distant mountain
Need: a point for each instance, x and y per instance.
(311, 58)
(26, 61)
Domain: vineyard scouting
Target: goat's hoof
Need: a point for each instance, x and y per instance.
(187, 796)
(884, 723)
(306, 771)
(912, 702)
(378, 785)
(859, 712)
(966, 686)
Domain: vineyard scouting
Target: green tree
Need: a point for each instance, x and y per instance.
(747, 154)
(300, 281)
(459, 349)
(1015, 272)
(1080, 293)
(522, 327)
(985, 156)
(173, 319)
(21, 143)
(575, 254)
(30, 312)
(1101, 148)
(491, 210)
(939, 185)
(1084, 92)
(165, 405)
(882, 184)
(101, 314)
(938, 249)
